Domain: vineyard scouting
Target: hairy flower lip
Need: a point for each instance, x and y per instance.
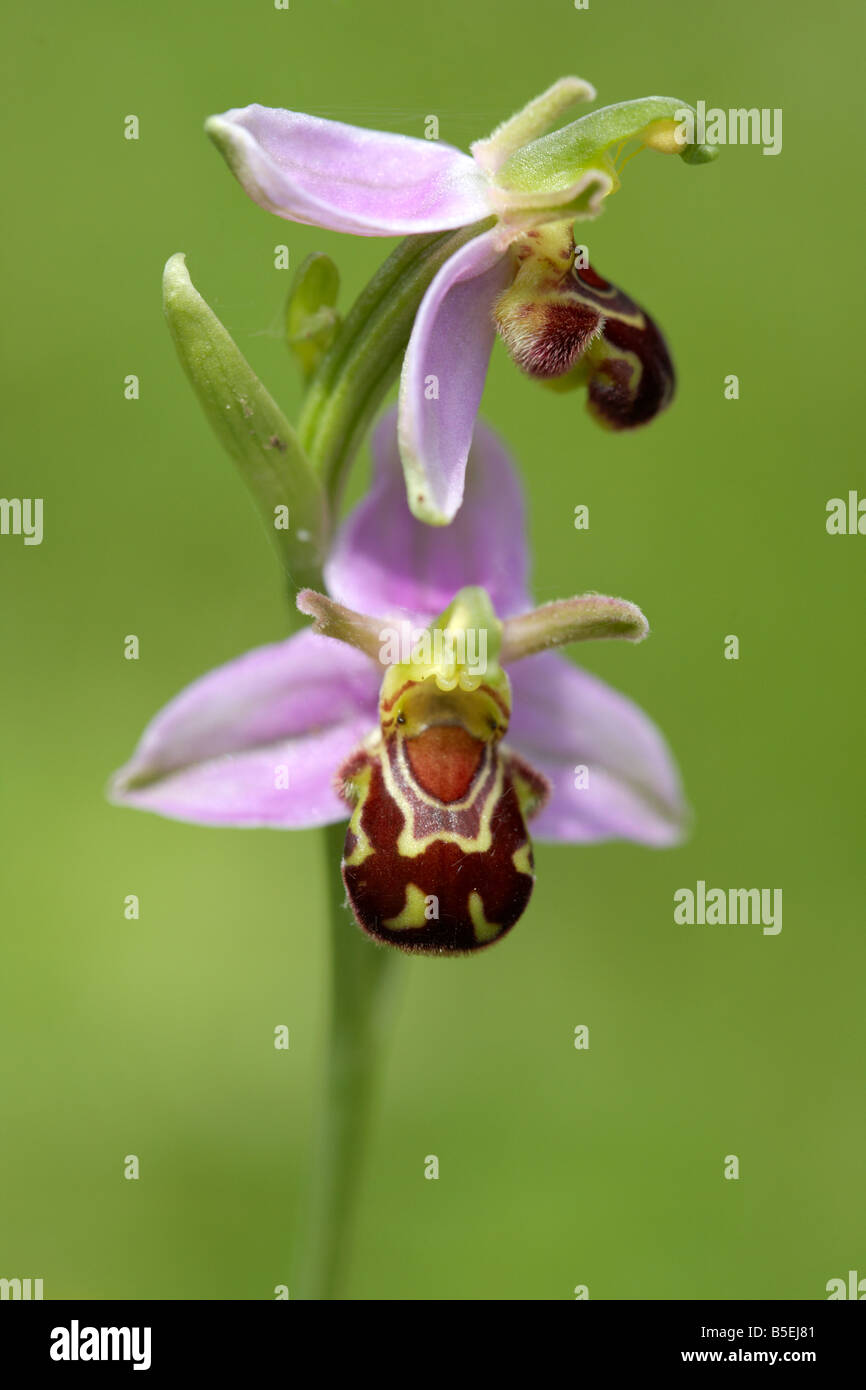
(565, 325)
(546, 340)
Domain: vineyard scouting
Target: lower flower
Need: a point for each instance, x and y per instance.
(414, 728)
(437, 854)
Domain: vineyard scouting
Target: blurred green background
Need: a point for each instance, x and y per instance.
(155, 1037)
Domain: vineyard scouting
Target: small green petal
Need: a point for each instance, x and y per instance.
(533, 120)
(333, 619)
(250, 426)
(312, 320)
(586, 618)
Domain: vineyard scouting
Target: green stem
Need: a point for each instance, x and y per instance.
(364, 359)
(360, 994)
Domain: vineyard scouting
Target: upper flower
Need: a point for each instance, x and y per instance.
(285, 735)
(370, 183)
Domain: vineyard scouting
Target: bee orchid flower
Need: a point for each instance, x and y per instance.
(521, 189)
(429, 707)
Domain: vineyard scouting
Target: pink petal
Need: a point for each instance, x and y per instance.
(563, 718)
(290, 712)
(443, 375)
(384, 561)
(346, 178)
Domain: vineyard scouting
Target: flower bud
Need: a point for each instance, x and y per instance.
(312, 320)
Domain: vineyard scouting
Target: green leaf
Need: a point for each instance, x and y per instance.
(312, 320)
(251, 427)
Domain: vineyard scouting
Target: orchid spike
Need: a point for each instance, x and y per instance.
(513, 184)
(497, 728)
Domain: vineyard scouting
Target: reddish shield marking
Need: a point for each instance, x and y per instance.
(444, 760)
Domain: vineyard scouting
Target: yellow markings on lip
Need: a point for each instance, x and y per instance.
(522, 859)
(631, 360)
(484, 930)
(413, 914)
(360, 784)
